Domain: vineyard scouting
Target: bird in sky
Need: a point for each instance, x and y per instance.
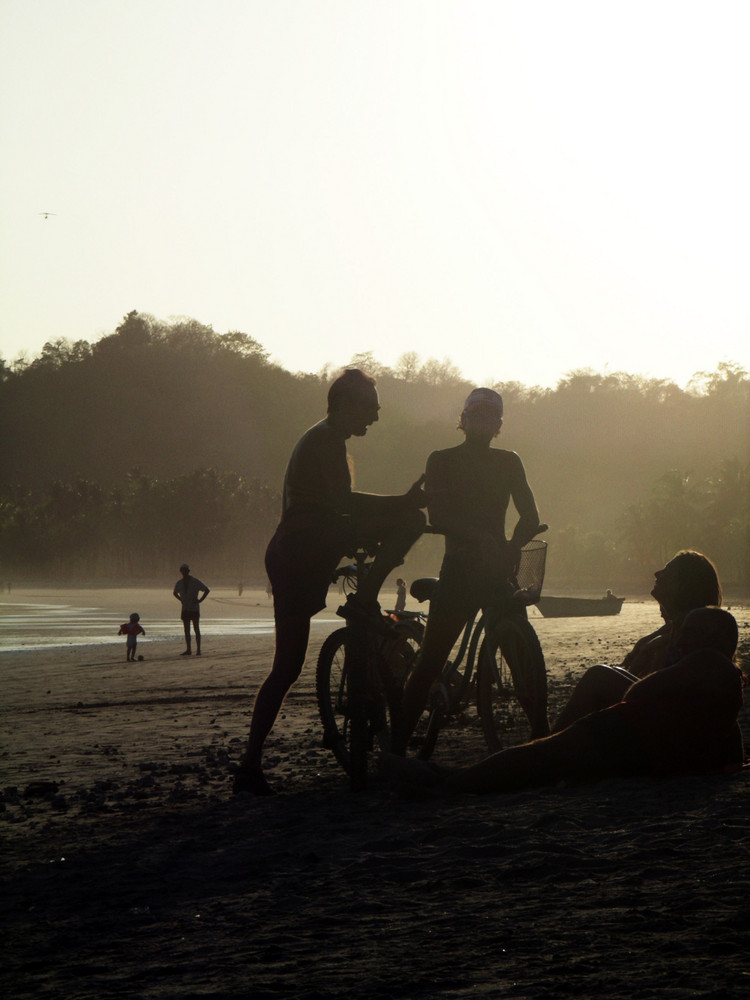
(46, 215)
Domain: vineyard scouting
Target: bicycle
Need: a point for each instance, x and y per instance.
(360, 674)
(501, 647)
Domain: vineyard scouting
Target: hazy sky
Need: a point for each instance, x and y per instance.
(525, 188)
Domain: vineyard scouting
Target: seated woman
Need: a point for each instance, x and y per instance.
(688, 581)
(678, 720)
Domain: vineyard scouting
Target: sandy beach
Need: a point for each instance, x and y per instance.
(129, 870)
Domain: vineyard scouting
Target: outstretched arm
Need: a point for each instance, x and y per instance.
(373, 503)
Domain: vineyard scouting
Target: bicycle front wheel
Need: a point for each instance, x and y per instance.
(512, 685)
(351, 702)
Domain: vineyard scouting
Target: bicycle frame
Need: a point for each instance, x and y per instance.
(502, 616)
(359, 677)
(470, 638)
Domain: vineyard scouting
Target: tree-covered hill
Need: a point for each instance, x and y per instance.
(156, 410)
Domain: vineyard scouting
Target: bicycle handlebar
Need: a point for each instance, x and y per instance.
(430, 529)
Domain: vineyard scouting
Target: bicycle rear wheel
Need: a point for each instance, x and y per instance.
(402, 654)
(512, 685)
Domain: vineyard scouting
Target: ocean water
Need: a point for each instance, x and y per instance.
(47, 626)
(80, 618)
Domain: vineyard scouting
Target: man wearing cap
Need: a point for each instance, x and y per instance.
(468, 489)
(191, 593)
(321, 519)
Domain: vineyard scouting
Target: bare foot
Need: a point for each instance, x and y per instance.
(252, 781)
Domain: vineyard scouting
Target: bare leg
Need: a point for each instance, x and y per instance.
(397, 537)
(439, 639)
(186, 626)
(565, 755)
(600, 687)
(196, 624)
(292, 636)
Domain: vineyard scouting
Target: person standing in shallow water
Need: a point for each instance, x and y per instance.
(322, 519)
(191, 593)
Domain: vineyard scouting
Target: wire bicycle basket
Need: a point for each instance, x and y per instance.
(530, 575)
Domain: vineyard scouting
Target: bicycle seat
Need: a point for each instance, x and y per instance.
(349, 570)
(423, 588)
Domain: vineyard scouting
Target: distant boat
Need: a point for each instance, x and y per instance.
(579, 607)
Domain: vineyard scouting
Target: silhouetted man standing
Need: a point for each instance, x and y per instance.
(191, 593)
(322, 519)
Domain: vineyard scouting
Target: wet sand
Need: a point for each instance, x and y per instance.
(128, 870)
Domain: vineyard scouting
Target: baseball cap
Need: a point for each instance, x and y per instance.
(484, 397)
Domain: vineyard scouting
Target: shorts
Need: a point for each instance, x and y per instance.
(303, 554)
(191, 616)
(300, 567)
(459, 590)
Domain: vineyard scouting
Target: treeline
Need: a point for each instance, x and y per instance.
(141, 531)
(680, 511)
(177, 437)
(221, 522)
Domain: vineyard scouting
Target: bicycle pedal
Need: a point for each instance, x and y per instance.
(440, 697)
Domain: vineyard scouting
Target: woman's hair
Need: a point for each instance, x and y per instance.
(697, 581)
(351, 385)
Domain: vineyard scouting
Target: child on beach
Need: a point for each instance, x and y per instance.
(132, 629)
(680, 720)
